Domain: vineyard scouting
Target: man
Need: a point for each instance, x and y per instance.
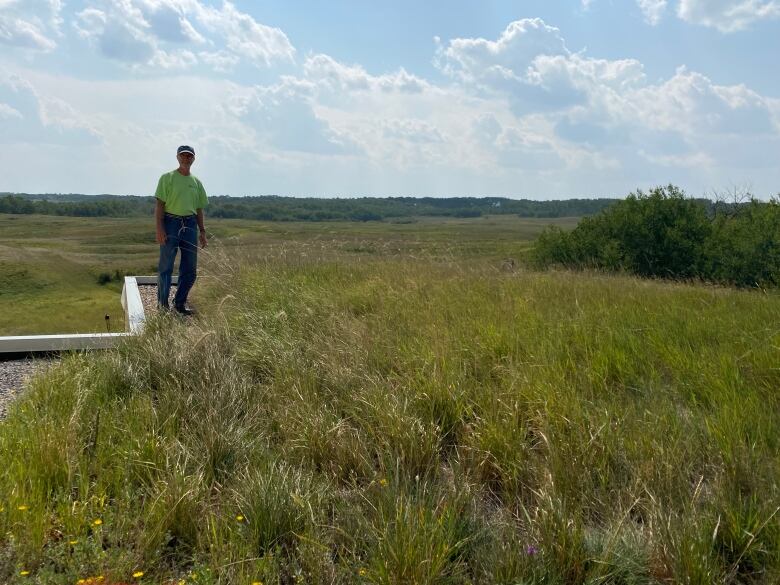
(179, 215)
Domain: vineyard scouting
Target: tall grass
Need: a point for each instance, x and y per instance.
(409, 421)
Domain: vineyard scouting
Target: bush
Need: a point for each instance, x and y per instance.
(106, 277)
(665, 234)
(746, 249)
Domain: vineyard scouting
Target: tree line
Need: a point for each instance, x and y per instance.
(277, 208)
(664, 233)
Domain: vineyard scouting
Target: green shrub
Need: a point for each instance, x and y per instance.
(665, 234)
(745, 247)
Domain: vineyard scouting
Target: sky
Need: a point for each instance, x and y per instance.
(524, 99)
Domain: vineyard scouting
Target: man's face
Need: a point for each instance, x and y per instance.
(185, 159)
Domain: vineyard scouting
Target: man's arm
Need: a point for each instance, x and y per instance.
(201, 229)
(159, 210)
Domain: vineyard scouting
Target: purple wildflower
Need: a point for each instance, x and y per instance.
(531, 550)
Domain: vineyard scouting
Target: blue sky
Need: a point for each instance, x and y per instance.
(533, 99)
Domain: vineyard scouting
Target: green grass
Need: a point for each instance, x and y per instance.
(420, 416)
(50, 266)
(49, 269)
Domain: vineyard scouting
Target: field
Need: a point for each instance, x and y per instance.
(50, 267)
(395, 403)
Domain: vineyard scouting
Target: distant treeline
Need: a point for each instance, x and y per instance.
(665, 234)
(276, 208)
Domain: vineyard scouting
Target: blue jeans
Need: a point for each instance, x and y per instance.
(181, 234)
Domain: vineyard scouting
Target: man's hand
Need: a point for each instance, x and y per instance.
(203, 240)
(159, 222)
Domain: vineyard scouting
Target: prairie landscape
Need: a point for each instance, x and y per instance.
(64, 274)
(393, 403)
(491, 294)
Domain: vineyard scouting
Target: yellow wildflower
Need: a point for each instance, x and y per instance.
(22, 508)
(81, 582)
(73, 542)
(97, 522)
(362, 572)
(239, 518)
(257, 583)
(24, 573)
(138, 574)
(383, 482)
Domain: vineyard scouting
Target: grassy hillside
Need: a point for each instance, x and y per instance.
(371, 416)
(49, 270)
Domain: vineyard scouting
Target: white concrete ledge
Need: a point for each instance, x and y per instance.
(35, 343)
(133, 306)
(134, 322)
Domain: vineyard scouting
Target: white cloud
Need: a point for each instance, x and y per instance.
(485, 128)
(653, 10)
(551, 112)
(21, 33)
(526, 149)
(30, 24)
(259, 43)
(169, 33)
(687, 122)
(221, 61)
(691, 160)
(282, 117)
(178, 60)
(575, 72)
(691, 104)
(32, 118)
(600, 93)
(400, 121)
(7, 111)
(604, 112)
(727, 15)
(531, 65)
(519, 111)
(411, 130)
(169, 20)
(54, 112)
(513, 144)
(119, 32)
(506, 58)
(337, 76)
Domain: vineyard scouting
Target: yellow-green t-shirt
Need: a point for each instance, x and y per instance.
(181, 195)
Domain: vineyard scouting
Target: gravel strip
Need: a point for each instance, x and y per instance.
(14, 373)
(13, 376)
(149, 297)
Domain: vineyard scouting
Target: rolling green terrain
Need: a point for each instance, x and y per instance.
(51, 267)
(49, 270)
(396, 403)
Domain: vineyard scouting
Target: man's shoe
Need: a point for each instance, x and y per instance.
(185, 310)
